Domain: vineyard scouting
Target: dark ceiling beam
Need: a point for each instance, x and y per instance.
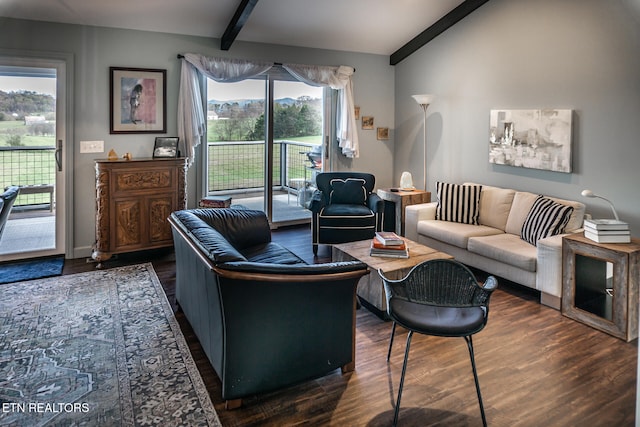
(442, 25)
(237, 22)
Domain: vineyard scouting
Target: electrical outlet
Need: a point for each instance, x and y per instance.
(91, 146)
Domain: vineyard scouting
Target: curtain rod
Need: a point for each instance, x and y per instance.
(180, 56)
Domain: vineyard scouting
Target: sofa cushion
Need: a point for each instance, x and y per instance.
(458, 203)
(495, 205)
(522, 203)
(271, 253)
(577, 216)
(546, 218)
(349, 191)
(345, 216)
(217, 248)
(454, 233)
(506, 248)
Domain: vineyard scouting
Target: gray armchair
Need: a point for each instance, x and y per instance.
(344, 208)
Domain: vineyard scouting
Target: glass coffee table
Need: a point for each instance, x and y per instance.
(370, 288)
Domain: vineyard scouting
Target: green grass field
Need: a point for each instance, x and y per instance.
(26, 167)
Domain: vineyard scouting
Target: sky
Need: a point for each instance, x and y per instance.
(247, 89)
(46, 86)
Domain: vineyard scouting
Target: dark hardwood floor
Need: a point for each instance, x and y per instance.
(536, 368)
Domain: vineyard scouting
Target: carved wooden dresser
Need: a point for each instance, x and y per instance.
(133, 201)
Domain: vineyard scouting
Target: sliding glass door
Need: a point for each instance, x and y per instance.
(32, 133)
(265, 145)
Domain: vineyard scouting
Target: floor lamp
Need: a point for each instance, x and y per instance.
(424, 101)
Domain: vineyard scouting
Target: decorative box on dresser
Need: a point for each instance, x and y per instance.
(133, 201)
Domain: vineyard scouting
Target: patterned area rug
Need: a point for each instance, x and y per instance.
(98, 349)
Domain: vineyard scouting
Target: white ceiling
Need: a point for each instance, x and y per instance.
(370, 26)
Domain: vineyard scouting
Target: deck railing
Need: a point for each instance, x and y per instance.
(233, 166)
(239, 165)
(28, 166)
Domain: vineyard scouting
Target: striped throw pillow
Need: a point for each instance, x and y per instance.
(546, 218)
(458, 203)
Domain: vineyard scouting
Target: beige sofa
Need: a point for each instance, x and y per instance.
(495, 245)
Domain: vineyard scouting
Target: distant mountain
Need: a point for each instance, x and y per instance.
(243, 102)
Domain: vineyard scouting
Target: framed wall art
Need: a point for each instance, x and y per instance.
(536, 139)
(165, 147)
(138, 101)
(367, 122)
(383, 133)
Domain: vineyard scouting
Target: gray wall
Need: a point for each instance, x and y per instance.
(95, 49)
(523, 54)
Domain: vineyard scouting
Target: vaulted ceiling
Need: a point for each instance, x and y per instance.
(369, 26)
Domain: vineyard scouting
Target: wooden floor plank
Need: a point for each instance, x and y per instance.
(536, 368)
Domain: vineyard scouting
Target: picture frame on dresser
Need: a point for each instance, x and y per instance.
(137, 100)
(165, 147)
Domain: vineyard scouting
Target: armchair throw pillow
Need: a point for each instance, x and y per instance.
(458, 203)
(546, 218)
(350, 191)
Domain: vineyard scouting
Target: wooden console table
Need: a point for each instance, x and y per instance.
(133, 201)
(600, 284)
(402, 199)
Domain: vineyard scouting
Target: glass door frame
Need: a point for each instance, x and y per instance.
(270, 81)
(64, 65)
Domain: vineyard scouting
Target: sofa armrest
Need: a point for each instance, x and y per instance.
(549, 267)
(317, 202)
(415, 214)
(253, 271)
(375, 203)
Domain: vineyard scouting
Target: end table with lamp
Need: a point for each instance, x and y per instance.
(601, 274)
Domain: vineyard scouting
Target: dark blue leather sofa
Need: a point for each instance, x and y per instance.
(265, 318)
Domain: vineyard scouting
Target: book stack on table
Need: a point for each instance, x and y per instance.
(388, 244)
(607, 231)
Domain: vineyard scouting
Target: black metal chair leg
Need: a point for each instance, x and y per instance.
(475, 377)
(393, 331)
(404, 369)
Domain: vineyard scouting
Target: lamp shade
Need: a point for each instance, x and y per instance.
(589, 193)
(425, 99)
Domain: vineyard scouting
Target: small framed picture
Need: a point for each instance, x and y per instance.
(356, 111)
(165, 147)
(367, 122)
(383, 133)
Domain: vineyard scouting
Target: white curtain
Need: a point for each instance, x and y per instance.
(337, 78)
(192, 120)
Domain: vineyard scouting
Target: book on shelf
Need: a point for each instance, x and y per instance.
(605, 224)
(389, 251)
(389, 238)
(607, 238)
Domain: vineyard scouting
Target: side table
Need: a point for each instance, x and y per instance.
(402, 199)
(600, 284)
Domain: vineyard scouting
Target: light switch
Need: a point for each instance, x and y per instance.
(91, 146)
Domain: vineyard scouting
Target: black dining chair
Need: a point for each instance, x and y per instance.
(439, 297)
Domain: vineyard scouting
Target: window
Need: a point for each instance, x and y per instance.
(265, 153)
